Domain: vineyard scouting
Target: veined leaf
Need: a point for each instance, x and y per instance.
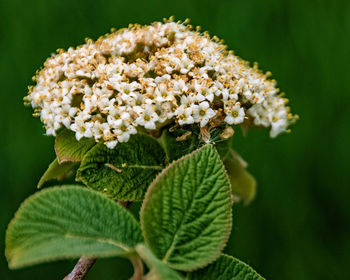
(242, 182)
(68, 222)
(56, 171)
(186, 214)
(158, 269)
(225, 268)
(125, 172)
(69, 149)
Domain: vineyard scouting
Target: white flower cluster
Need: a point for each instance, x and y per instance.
(145, 77)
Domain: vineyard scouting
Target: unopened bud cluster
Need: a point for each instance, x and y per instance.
(145, 77)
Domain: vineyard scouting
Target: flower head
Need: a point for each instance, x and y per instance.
(146, 77)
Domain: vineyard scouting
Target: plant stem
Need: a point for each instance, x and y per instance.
(138, 268)
(81, 269)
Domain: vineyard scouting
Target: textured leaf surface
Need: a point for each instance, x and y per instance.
(125, 172)
(225, 268)
(69, 149)
(158, 269)
(68, 222)
(186, 214)
(56, 171)
(242, 182)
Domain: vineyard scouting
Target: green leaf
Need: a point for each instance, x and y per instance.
(56, 171)
(225, 268)
(125, 172)
(69, 149)
(68, 222)
(242, 182)
(180, 142)
(158, 269)
(186, 214)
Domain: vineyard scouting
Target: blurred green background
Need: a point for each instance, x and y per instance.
(299, 225)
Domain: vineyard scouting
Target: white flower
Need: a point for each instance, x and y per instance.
(234, 114)
(179, 86)
(147, 117)
(202, 92)
(278, 127)
(106, 131)
(165, 111)
(260, 115)
(203, 113)
(111, 144)
(50, 130)
(82, 128)
(97, 130)
(124, 131)
(64, 115)
(186, 64)
(127, 89)
(184, 115)
(278, 121)
(219, 90)
(163, 94)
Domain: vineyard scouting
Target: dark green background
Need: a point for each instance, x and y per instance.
(298, 227)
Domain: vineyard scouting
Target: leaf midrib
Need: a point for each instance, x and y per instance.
(100, 240)
(96, 239)
(156, 167)
(172, 245)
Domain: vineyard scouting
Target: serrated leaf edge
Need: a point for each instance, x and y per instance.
(128, 250)
(229, 194)
(238, 261)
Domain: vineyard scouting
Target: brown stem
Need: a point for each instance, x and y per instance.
(81, 269)
(138, 268)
